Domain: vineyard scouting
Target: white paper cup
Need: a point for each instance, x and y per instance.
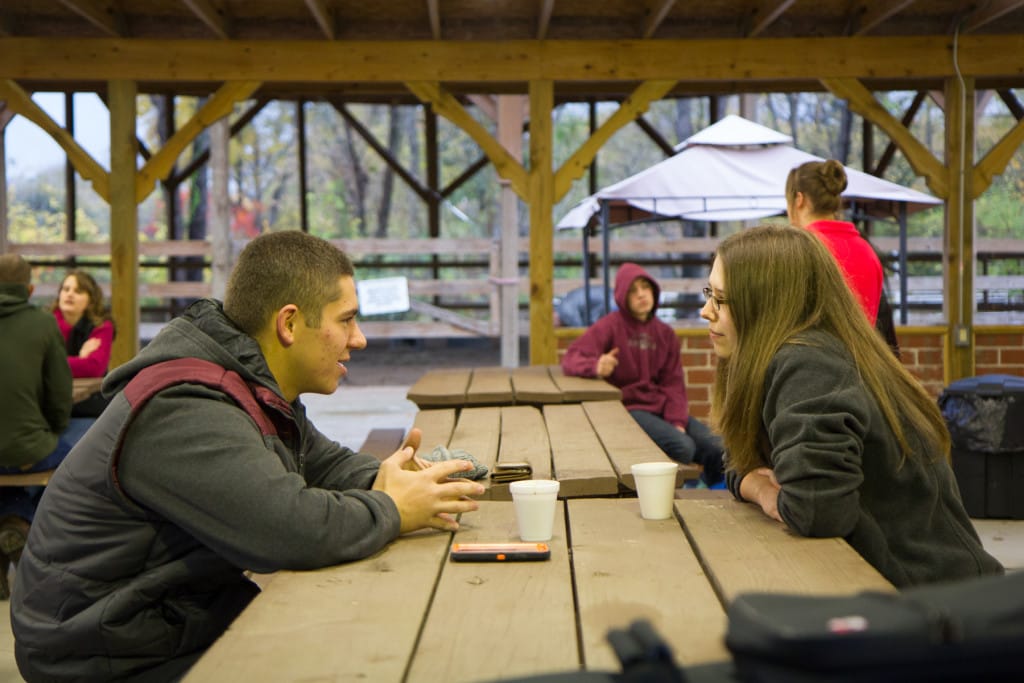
(655, 486)
(534, 500)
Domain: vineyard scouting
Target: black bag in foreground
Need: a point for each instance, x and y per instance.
(645, 658)
(969, 630)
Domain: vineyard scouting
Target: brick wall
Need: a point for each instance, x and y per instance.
(998, 350)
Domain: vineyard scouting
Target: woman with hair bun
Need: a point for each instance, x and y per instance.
(813, 202)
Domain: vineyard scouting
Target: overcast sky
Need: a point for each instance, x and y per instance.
(30, 150)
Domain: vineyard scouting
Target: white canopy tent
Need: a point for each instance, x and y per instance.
(732, 170)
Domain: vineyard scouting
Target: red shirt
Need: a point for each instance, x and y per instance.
(857, 259)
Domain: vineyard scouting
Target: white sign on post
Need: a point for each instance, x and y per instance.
(384, 295)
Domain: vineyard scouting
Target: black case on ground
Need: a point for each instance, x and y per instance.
(964, 631)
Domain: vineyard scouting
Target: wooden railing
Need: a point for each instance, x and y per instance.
(456, 293)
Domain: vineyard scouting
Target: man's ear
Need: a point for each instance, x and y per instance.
(285, 321)
(31, 288)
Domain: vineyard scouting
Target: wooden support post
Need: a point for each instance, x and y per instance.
(541, 193)
(220, 230)
(510, 135)
(958, 274)
(124, 229)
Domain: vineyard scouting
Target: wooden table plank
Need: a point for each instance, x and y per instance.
(437, 426)
(440, 388)
(578, 459)
(484, 614)
(627, 443)
(616, 556)
(489, 387)
(477, 432)
(747, 551)
(327, 626)
(524, 437)
(533, 384)
(579, 389)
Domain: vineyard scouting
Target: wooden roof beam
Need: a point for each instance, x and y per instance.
(768, 13)
(434, 15)
(989, 12)
(324, 17)
(656, 13)
(211, 16)
(584, 61)
(6, 25)
(544, 18)
(872, 16)
(95, 15)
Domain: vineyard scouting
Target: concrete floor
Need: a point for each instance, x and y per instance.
(349, 414)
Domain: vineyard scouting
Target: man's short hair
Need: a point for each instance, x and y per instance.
(15, 270)
(281, 268)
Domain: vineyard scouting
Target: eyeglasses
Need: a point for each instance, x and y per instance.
(716, 301)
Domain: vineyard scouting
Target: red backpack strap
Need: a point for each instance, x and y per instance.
(156, 378)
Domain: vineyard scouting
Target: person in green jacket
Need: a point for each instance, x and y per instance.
(36, 432)
(825, 430)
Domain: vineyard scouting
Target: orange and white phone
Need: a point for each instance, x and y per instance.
(499, 552)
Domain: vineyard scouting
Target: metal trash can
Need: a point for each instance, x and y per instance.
(985, 416)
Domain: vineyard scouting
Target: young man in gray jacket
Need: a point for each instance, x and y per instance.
(135, 562)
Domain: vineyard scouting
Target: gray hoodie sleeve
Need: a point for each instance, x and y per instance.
(197, 460)
(817, 417)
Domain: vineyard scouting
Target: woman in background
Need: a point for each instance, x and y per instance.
(824, 428)
(88, 333)
(813, 202)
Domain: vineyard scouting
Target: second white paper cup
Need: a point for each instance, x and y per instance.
(655, 487)
(534, 500)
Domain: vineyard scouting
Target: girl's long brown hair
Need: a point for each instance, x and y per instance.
(782, 282)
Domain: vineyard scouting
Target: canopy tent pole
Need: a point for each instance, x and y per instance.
(586, 274)
(605, 249)
(903, 263)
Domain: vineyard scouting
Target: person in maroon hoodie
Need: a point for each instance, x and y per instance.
(634, 350)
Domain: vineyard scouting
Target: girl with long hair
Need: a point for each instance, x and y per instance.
(824, 428)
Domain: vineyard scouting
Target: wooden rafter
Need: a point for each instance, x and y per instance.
(324, 17)
(656, 13)
(634, 105)
(446, 105)
(21, 102)
(414, 184)
(1012, 103)
(767, 14)
(789, 59)
(217, 106)
(878, 13)
(544, 18)
(95, 15)
(864, 103)
(997, 158)
(238, 124)
(434, 16)
(209, 15)
(989, 12)
(908, 118)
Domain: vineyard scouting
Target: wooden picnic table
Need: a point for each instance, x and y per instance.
(409, 614)
(492, 386)
(84, 387)
(588, 447)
